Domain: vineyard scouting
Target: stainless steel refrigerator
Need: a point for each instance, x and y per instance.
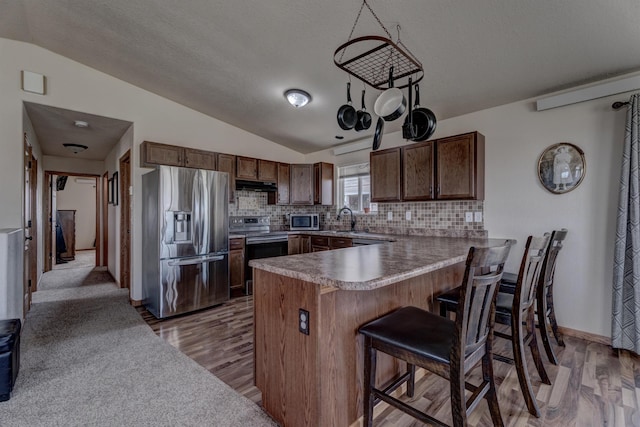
(185, 240)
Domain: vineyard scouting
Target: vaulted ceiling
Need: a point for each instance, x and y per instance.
(233, 60)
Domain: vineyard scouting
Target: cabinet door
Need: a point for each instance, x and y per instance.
(460, 167)
(199, 159)
(294, 245)
(305, 244)
(385, 175)
(284, 178)
(227, 163)
(153, 153)
(236, 272)
(246, 168)
(301, 184)
(267, 171)
(418, 171)
(323, 184)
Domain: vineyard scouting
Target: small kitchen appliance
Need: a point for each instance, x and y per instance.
(304, 222)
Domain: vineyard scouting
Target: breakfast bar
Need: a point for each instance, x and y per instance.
(308, 307)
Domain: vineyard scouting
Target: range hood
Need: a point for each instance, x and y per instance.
(255, 185)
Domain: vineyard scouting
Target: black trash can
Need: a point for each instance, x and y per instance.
(9, 356)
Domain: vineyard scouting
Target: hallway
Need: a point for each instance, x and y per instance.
(87, 358)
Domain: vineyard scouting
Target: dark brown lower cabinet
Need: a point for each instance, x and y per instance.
(236, 267)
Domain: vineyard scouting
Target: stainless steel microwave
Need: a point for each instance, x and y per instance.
(305, 221)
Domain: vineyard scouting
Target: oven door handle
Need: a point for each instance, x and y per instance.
(266, 240)
(193, 261)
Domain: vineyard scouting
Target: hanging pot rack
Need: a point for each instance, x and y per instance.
(370, 58)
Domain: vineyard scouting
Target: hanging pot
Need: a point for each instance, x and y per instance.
(391, 103)
(424, 121)
(377, 136)
(347, 116)
(364, 118)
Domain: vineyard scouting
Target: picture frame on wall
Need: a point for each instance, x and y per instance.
(110, 191)
(114, 189)
(561, 167)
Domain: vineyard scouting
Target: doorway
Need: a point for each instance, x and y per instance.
(72, 207)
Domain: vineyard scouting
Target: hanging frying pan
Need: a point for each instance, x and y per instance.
(364, 118)
(347, 116)
(424, 121)
(409, 128)
(391, 103)
(377, 136)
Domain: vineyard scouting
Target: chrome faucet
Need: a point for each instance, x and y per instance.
(353, 220)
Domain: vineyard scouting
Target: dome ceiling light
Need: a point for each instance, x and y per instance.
(297, 97)
(75, 148)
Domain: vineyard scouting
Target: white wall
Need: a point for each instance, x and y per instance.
(517, 205)
(80, 197)
(76, 87)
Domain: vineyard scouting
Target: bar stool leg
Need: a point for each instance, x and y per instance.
(552, 316)
(542, 311)
(517, 343)
(369, 382)
(492, 394)
(535, 351)
(458, 402)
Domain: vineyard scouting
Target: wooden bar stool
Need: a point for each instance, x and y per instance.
(517, 311)
(545, 312)
(447, 348)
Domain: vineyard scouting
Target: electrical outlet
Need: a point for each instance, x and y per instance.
(407, 215)
(468, 217)
(303, 321)
(390, 216)
(477, 217)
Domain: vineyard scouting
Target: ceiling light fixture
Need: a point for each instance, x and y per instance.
(81, 124)
(297, 97)
(75, 148)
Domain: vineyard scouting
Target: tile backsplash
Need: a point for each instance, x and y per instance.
(441, 218)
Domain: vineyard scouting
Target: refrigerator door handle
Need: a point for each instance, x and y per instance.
(197, 260)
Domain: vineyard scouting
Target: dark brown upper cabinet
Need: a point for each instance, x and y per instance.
(449, 168)
(154, 154)
(386, 173)
(323, 184)
(267, 171)
(281, 197)
(418, 176)
(227, 163)
(301, 189)
(246, 168)
(460, 167)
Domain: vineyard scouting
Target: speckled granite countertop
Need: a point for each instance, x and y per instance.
(369, 267)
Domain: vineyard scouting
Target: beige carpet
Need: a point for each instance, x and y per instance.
(88, 359)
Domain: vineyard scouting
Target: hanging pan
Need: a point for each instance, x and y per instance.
(364, 118)
(391, 103)
(347, 116)
(424, 121)
(377, 136)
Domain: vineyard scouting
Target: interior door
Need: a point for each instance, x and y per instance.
(125, 220)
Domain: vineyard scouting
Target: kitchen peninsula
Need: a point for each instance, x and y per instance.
(308, 307)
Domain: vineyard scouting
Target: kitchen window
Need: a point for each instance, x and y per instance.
(354, 187)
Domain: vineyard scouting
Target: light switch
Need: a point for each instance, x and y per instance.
(390, 216)
(468, 217)
(407, 215)
(477, 217)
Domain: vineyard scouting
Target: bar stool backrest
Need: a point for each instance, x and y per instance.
(530, 270)
(474, 317)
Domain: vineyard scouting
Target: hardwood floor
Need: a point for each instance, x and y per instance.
(592, 385)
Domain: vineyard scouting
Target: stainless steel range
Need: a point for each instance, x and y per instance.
(260, 241)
